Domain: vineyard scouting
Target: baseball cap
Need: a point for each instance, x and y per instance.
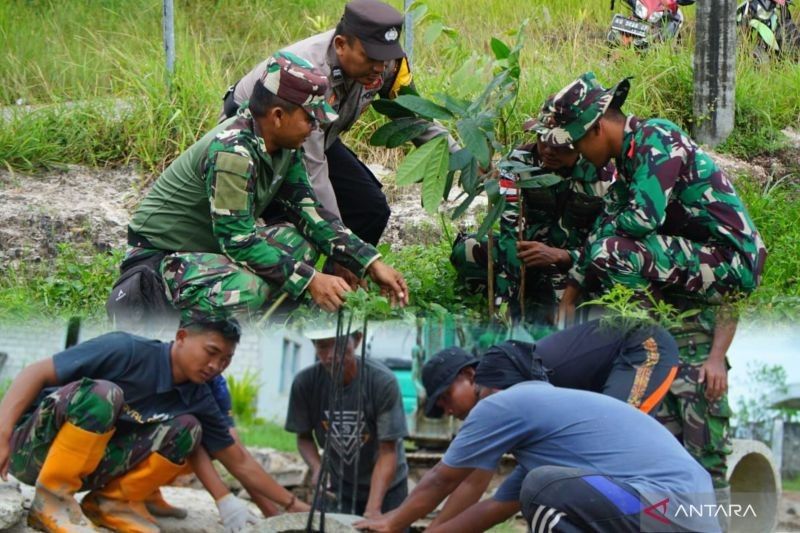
(297, 81)
(438, 374)
(566, 116)
(377, 26)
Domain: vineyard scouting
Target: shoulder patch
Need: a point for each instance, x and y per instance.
(230, 181)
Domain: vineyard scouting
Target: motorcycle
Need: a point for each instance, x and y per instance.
(772, 23)
(652, 21)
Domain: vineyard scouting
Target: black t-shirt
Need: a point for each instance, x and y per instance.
(143, 370)
(382, 419)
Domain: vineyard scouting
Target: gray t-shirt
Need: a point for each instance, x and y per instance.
(382, 419)
(543, 425)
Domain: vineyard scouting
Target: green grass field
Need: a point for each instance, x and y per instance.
(98, 53)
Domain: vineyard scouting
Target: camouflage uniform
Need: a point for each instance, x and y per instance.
(204, 210)
(560, 216)
(678, 226)
(94, 405)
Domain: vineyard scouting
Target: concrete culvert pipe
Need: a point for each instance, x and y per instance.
(755, 487)
(296, 523)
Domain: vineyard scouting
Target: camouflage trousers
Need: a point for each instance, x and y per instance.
(213, 283)
(658, 261)
(94, 405)
(702, 426)
(470, 258)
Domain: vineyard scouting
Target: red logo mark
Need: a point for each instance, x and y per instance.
(658, 510)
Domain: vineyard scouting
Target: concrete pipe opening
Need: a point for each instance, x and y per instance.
(755, 487)
(296, 523)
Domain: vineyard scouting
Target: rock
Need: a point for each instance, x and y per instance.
(288, 469)
(11, 509)
(296, 522)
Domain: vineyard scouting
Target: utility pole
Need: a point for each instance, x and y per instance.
(168, 23)
(714, 70)
(409, 31)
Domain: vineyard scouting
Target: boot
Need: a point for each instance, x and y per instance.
(73, 455)
(120, 504)
(158, 506)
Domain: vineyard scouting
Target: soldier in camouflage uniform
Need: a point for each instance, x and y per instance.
(202, 211)
(117, 415)
(678, 230)
(557, 220)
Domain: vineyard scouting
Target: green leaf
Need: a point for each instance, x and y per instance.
(391, 109)
(492, 188)
(432, 32)
(459, 159)
(463, 206)
(469, 177)
(435, 180)
(456, 106)
(500, 49)
(398, 131)
(474, 140)
(423, 107)
(429, 159)
(537, 182)
(491, 217)
(448, 184)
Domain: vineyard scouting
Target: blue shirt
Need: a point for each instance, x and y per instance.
(544, 425)
(143, 370)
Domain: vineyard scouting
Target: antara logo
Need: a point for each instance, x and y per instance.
(658, 511)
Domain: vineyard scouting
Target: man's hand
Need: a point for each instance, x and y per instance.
(538, 255)
(714, 374)
(349, 277)
(381, 523)
(328, 291)
(391, 282)
(298, 506)
(235, 514)
(5, 456)
(372, 514)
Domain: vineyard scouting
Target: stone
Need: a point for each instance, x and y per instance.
(11, 505)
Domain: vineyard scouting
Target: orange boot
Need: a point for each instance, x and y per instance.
(120, 504)
(73, 455)
(158, 506)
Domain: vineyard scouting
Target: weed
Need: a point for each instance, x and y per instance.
(244, 392)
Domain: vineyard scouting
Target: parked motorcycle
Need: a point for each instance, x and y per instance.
(772, 22)
(652, 21)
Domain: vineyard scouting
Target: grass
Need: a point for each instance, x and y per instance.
(792, 485)
(111, 50)
(264, 434)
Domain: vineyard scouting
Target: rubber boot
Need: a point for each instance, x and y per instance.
(723, 497)
(73, 455)
(158, 506)
(120, 504)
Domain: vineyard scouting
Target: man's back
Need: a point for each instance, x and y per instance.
(543, 425)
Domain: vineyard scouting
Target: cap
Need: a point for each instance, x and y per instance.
(377, 26)
(568, 115)
(297, 81)
(438, 374)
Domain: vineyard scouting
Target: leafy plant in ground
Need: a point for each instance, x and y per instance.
(244, 392)
(76, 282)
(625, 308)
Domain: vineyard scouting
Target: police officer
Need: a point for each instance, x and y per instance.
(679, 231)
(557, 220)
(201, 215)
(364, 60)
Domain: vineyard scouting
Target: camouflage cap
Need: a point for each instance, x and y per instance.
(566, 116)
(297, 81)
(195, 319)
